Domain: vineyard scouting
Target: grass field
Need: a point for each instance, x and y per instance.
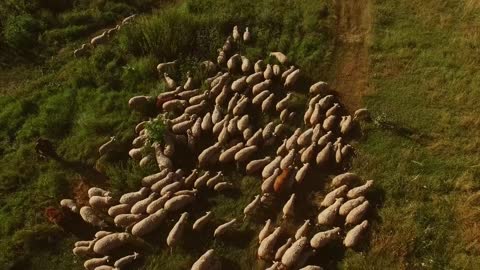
(424, 90)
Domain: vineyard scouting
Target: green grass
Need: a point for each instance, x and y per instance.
(424, 63)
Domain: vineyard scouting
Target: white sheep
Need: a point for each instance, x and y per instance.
(197, 108)
(246, 65)
(96, 191)
(288, 209)
(361, 114)
(268, 183)
(281, 250)
(70, 204)
(312, 267)
(304, 257)
(239, 84)
(229, 154)
(360, 190)
(201, 222)
(258, 99)
(292, 141)
(128, 19)
(178, 230)
(270, 168)
(197, 127)
(308, 114)
(158, 203)
(101, 234)
(282, 58)
(83, 251)
(268, 73)
(140, 207)
(145, 160)
(268, 130)
(217, 128)
(214, 180)
(83, 243)
(159, 185)
(261, 86)
(356, 214)
(331, 197)
(126, 260)
(305, 138)
(202, 180)
(100, 39)
(247, 36)
(178, 202)
(326, 138)
(326, 102)
(316, 116)
(266, 248)
(133, 197)
(287, 72)
(329, 214)
(334, 110)
(222, 186)
(274, 266)
(126, 220)
(308, 154)
(245, 153)
(187, 94)
(321, 239)
(277, 71)
(302, 172)
(92, 263)
(192, 192)
(172, 187)
(236, 34)
(170, 83)
(80, 51)
(224, 228)
(119, 209)
(207, 123)
(242, 104)
(195, 100)
(265, 231)
(232, 125)
(163, 161)
(279, 129)
(347, 178)
(100, 202)
(206, 154)
(256, 165)
(150, 223)
(354, 235)
(350, 204)
(250, 208)
(292, 78)
(255, 78)
(207, 261)
(243, 123)
(105, 267)
(288, 159)
(139, 103)
(247, 133)
(283, 103)
(259, 66)
(284, 115)
(208, 66)
(268, 103)
(319, 87)
(325, 155)
(294, 252)
(107, 244)
(221, 58)
(256, 138)
(234, 62)
(303, 230)
(90, 216)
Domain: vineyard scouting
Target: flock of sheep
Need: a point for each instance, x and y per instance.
(103, 37)
(227, 116)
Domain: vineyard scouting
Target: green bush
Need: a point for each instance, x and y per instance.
(21, 31)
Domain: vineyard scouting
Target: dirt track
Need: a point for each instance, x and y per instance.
(354, 20)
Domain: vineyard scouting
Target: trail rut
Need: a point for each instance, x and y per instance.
(354, 21)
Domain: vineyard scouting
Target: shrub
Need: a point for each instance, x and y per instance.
(21, 31)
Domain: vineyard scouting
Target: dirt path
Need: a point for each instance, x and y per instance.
(351, 55)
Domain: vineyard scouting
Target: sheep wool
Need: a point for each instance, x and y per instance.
(281, 250)
(321, 239)
(266, 230)
(353, 236)
(214, 180)
(266, 248)
(149, 223)
(126, 260)
(92, 263)
(90, 216)
(245, 153)
(133, 197)
(329, 214)
(178, 230)
(252, 206)
(70, 204)
(100, 202)
(292, 78)
(256, 165)
(207, 261)
(360, 190)
(178, 202)
(311, 267)
(140, 207)
(118, 209)
(349, 205)
(96, 191)
(333, 195)
(108, 243)
(222, 186)
(254, 78)
(356, 214)
(282, 58)
(224, 228)
(303, 230)
(347, 178)
(294, 252)
(201, 222)
(289, 208)
(126, 220)
(105, 267)
(229, 154)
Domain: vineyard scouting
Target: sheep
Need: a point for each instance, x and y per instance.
(92, 263)
(268, 73)
(208, 66)
(361, 114)
(176, 233)
(284, 115)
(292, 141)
(282, 58)
(140, 207)
(236, 34)
(232, 125)
(324, 156)
(206, 154)
(279, 129)
(319, 87)
(246, 65)
(305, 138)
(172, 187)
(243, 123)
(178, 202)
(256, 165)
(255, 78)
(312, 267)
(347, 178)
(187, 94)
(308, 114)
(217, 128)
(239, 84)
(270, 168)
(150, 223)
(108, 243)
(350, 204)
(159, 185)
(329, 214)
(259, 66)
(308, 154)
(105, 267)
(214, 180)
(202, 180)
(303, 230)
(317, 133)
(222, 57)
(197, 128)
(268, 184)
(170, 83)
(197, 108)
(82, 243)
(247, 36)
(90, 216)
(316, 117)
(282, 149)
(80, 51)
(245, 153)
(133, 197)
(234, 62)
(140, 140)
(323, 141)
(70, 204)
(281, 250)
(321, 239)
(108, 146)
(265, 231)
(354, 235)
(139, 103)
(128, 19)
(101, 234)
(145, 160)
(126, 260)
(251, 206)
(100, 39)
(231, 104)
(256, 138)
(195, 100)
(158, 204)
(334, 110)
(356, 214)
(276, 70)
(287, 72)
(294, 252)
(360, 190)
(268, 130)
(201, 222)
(288, 209)
(229, 154)
(163, 161)
(222, 186)
(136, 153)
(261, 86)
(288, 159)
(268, 103)
(100, 202)
(126, 220)
(239, 109)
(333, 195)
(265, 250)
(292, 78)
(247, 133)
(222, 97)
(283, 103)
(207, 123)
(83, 251)
(207, 261)
(222, 229)
(304, 257)
(119, 209)
(274, 266)
(212, 81)
(346, 124)
(300, 175)
(216, 115)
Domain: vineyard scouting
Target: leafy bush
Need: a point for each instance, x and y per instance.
(156, 130)
(21, 31)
